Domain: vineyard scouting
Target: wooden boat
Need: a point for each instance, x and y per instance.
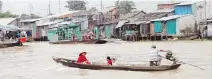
(84, 42)
(72, 63)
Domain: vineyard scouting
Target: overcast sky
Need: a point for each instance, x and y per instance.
(40, 7)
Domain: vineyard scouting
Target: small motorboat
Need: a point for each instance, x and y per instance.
(93, 66)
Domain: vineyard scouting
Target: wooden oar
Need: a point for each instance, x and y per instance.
(185, 63)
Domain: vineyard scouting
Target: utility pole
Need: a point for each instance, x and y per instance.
(47, 10)
(59, 6)
(49, 7)
(101, 5)
(173, 1)
(31, 7)
(205, 10)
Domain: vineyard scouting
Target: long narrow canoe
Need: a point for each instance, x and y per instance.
(72, 63)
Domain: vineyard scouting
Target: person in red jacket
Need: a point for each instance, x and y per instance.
(82, 58)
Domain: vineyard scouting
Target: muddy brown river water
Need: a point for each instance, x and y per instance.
(34, 60)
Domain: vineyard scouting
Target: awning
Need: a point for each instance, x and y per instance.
(72, 24)
(47, 23)
(54, 26)
(169, 17)
(138, 22)
(1, 27)
(120, 24)
(9, 27)
(67, 24)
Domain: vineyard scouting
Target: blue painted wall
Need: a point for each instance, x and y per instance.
(183, 9)
(171, 27)
(157, 26)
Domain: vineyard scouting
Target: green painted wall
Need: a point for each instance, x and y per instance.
(96, 32)
(171, 27)
(157, 26)
(107, 32)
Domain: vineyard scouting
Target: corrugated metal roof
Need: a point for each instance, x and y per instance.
(138, 22)
(9, 27)
(81, 13)
(54, 26)
(189, 2)
(66, 22)
(62, 23)
(107, 9)
(61, 14)
(6, 21)
(171, 3)
(47, 23)
(112, 21)
(31, 20)
(169, 18)
(121, 23)
(132, 14)
(146, 18)
(163, 10)
(151, 16)
(51, 16)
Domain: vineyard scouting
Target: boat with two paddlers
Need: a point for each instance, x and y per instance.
(95, 66)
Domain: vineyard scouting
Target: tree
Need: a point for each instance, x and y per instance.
(25, 16)
(92, 9)
(76, 5)
(7, 15)
(125, 7)
(33, 16)
(188, 30)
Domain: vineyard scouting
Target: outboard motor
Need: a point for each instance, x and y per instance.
(169, 56)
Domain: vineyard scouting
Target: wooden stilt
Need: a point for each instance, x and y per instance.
(155, 37)
(142, 37)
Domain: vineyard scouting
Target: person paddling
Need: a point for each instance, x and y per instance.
(109, 61)
(155, 57)
(82, 58)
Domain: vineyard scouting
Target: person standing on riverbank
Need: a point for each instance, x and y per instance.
(29, 36)
(18, 35)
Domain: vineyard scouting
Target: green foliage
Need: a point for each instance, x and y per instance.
(125, 6)
(7, 15)
(92, 9)
(76, 5)
(187, 31)
(33, 16)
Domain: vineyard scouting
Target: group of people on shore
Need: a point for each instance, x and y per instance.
(155, 58)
